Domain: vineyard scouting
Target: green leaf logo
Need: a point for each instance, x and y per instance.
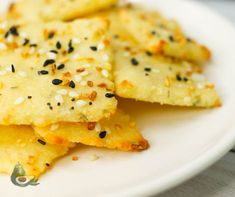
(19, 178)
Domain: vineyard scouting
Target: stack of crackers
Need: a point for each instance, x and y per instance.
(64, 65)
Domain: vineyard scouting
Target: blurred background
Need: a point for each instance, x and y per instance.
(225, 7)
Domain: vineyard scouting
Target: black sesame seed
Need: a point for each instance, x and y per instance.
(51, 35)
(189, 40)
(47, 164)
(70, 43)
(12, 68)
(102, 134)
(109, 95)
(54, 51)
(43, 72)
(58, 45)
(7, 34)
(171, 38)
(26, 41)
(41, 142)
(73, 99)
(48, 104)
(185, 79)
(178, 77)
(134, 62)
(93, 48)
(51, 108)
(13, 30)
(33, 45)
(48, 62)
(148, 53)
(56, 81)
(146, 74)
(70, 50)
(90, 103)
(61, 66)
(153, 32)
(85, 38)
(72, 84)
(29, 97)
(72, 108)
(58, 104)
(147, 69)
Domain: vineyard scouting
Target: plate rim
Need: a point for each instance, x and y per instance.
(196, 166)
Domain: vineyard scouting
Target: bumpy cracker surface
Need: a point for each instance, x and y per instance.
(36, 10)
(118, 132)
(142, 76)
(19, 144)
(162, 36)
(55, 72)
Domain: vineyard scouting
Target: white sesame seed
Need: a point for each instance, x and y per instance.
(54, 127)
(81, 103)
(84, 73)
(75, 56)
(3, 25)
(77, 78)
(8, 69)
(3, 46)
(87, 65)
(73, 94)
(41, 51)
(126, 54)
(59, 98)
(23, 35)
(51, 55)
(19, 100)
(198, 77)
(83, 83)
(101, 46)
(97, 127)
(105, 73)
(76, 40)
(62, 92)
(22, 74)
(106, 58)
(2, 72)
(31, 50)
(200, 86)
(155, 70)
(187, 99)
(94, 157)
(10, 39)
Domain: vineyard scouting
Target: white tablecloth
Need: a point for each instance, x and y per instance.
(218, 180)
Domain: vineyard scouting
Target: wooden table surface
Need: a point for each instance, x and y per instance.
(218, 180)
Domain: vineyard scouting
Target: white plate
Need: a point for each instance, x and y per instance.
(183, 141)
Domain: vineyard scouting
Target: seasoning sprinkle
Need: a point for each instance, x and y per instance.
(93, 48)
(147, 69)
(33, 45)
(71, 48)
(43, 72)
(41, 142)
(72, 84)
(51, 35)
(102, 134)
(54, 51)
(26, 41)
(56, 81)
(13, 30)
(134, 62)
(109, 95)
(48, 62)
(149, 53)
(12, 68)
(171, 38)
(61, 66)
(58, 45)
